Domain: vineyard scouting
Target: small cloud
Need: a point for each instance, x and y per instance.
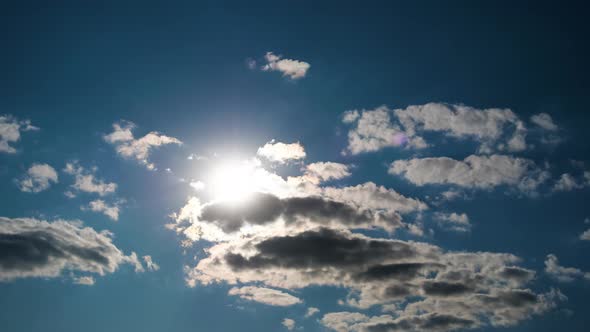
(311, 311)
(197, 185)
(281, 152)
(544, 121)
(266, 296)
(150, 264)
(561, 273)
(86, 181)
(39, 177)
(85, 280)
(454, 221)
(294, 69)
(139, 149)
(98, 205)
(10, 131)
(288, 323)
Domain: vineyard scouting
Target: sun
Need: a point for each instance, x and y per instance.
(233, 181)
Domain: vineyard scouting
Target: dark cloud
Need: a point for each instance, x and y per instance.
(264, 208)
(35, 248)
(324, 247)
(428, 322)
(442, 288)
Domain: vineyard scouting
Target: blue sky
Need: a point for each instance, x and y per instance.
(305, 166)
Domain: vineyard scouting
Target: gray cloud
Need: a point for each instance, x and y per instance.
(37, 248)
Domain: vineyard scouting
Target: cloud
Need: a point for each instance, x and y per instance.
(288, 323)
(479, 172)
(86, 181)
(469, 286)
(39, 177)
(544, 121)
(281, 152)
(139, 149)
(41, 249)
(150, 264)
(326, 171)
(98, 205)
(568, 182)
(84, 280)
(561, 273)
(494, 128)
(264, 295)
(10, 131)
(454, 221)
(294, 69)
(585, 236)
(306, 235)
(311, 311)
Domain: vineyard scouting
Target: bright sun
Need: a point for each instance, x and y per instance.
(233, 181)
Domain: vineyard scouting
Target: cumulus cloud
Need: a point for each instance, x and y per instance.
(10, 131)
(85, 181)
(294, 69)
(139, 149)
(37, 248)
(311, 311)
(481, 172)
(264, 295)
(495, 129)
(467, 286)
(39, 177)
(84, 280)
(288, 323)
(454, 221)
(150, 264)
(568, 182)
(326, 171)
(544, 121)
(98, 205)
(281, 152)
(306, 235)
(561, 273)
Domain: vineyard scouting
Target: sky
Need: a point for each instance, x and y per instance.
(294, 166)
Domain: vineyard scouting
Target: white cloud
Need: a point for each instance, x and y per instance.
(264, 295)
(42, 249)
(39, 177)
(86, 181)
(561, 273)
(10, 131)
(544, 121)
(150, 264)
(139, 149)
(482, 172)
(326, 171)
(454, 221)
(98, 205)
(568, 182)
(294, 69)
(585, 236)
(84, 280)
(281, 152)
(311, 311)
(494, 129)
(288, 323)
